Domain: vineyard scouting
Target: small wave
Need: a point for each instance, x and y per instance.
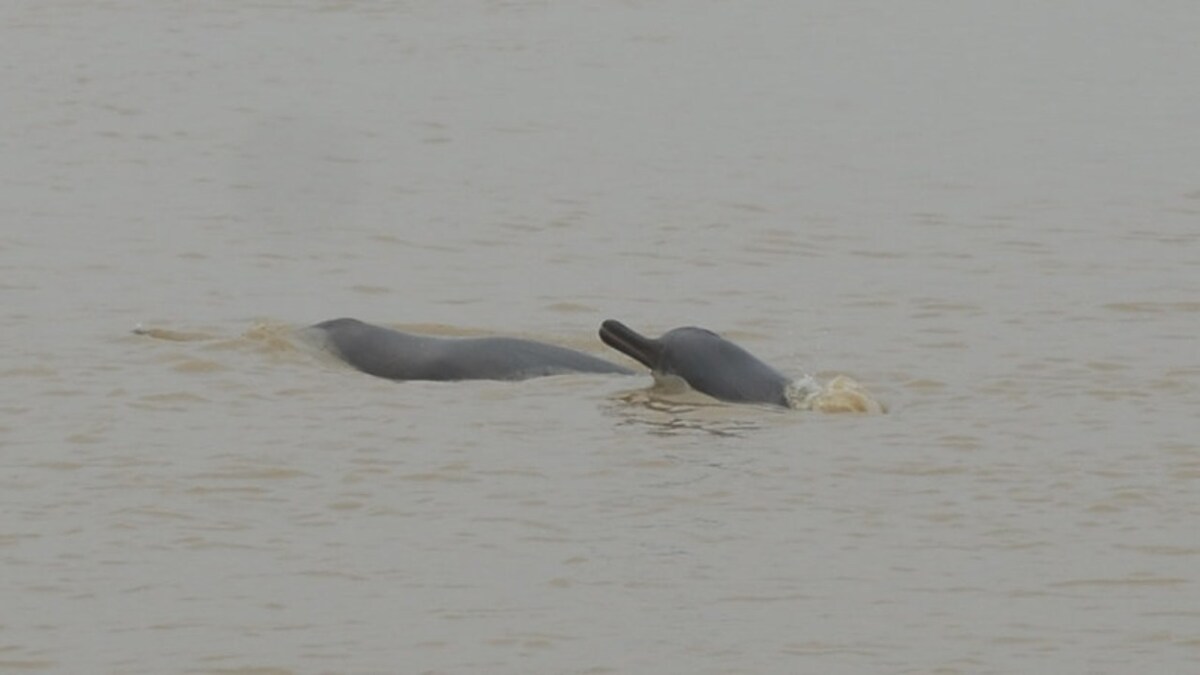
(171, 335)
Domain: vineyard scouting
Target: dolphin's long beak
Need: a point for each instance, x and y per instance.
(630, 343)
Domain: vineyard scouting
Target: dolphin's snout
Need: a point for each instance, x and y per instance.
(629, 342)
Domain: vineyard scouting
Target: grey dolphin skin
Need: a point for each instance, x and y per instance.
(708, 362)
(403, 356)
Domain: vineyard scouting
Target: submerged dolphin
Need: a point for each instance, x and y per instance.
(709, 363)
(403, 356)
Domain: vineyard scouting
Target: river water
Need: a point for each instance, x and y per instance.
(986, 213)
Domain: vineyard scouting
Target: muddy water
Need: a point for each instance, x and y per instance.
(989, 216)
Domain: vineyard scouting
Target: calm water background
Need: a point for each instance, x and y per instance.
(988, 213)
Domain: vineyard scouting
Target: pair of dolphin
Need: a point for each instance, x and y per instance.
(706, 361)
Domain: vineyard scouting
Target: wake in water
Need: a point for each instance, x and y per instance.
(839, 394)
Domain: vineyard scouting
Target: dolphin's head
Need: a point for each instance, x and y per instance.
(708, 362)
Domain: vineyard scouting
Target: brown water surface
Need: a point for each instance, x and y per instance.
(988, 214)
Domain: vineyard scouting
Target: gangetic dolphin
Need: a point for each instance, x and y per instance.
(708, 362)
(403, 356)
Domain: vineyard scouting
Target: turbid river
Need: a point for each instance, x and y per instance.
(988, 214)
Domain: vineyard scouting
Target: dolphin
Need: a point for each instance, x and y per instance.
(709, 363)
(391, 354)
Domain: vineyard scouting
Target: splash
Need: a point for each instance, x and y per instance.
(841, 394)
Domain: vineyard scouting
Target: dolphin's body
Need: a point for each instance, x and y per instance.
(404, 356)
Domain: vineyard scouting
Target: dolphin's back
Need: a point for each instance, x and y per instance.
(403, 356)
(505, 358)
